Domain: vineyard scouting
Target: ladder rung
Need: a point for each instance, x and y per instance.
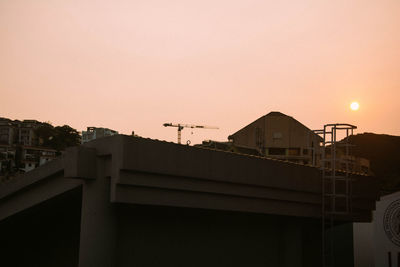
(337, 195)
(330, 180)
(339, 160)
(336, 176)
(338, 212)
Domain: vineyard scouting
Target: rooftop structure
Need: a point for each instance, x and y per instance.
(279, 136)
(93, 133)
(125, 201)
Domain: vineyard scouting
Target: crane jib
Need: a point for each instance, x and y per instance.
(181, 126)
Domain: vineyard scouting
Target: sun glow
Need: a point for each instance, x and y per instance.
(354, 106)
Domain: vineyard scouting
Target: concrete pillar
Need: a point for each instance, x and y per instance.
(98, 223)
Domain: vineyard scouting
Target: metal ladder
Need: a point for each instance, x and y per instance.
(336, 183)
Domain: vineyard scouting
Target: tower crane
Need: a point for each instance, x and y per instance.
(180, 127)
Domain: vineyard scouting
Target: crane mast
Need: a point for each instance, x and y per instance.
(180, 127)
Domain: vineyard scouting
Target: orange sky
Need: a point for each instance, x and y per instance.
(134, 65)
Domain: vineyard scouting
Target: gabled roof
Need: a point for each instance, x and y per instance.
(277, 114)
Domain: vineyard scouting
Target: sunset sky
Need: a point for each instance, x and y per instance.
(134, 65)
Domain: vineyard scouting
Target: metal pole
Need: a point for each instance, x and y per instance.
(179, 134)
(323, 198)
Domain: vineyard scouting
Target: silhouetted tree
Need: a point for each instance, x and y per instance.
(45, 133)
(59, 137)
(65, 136)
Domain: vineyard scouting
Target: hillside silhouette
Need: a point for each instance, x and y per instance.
(383, 151)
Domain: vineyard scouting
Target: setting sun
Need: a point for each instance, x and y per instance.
(354, 106)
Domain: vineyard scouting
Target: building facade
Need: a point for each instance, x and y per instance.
(19, 146)
(279, 136)
(18, 132)
(7, 130)
(377, 244)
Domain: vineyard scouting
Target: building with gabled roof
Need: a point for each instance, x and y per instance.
(280, 136)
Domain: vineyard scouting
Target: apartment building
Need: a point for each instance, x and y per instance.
(19, 146)
(18, 132)
(7, 131)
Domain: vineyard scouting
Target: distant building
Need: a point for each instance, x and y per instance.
(18, 132)
(279, 136)
(19, 146)
(33, 157)
(7, 130)
(26, 132)
(7, 158)
(93, 133)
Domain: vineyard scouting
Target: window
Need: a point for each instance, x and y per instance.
(277, 135)
(294, 151)
(277, 151)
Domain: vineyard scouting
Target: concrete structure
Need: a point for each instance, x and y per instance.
(377, 244)
(127, 201)
(277, 135)
(93, 133)
(355, 164)
(228, 146)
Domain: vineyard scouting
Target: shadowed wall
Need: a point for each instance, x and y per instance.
(160, 236)
(45, 235)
